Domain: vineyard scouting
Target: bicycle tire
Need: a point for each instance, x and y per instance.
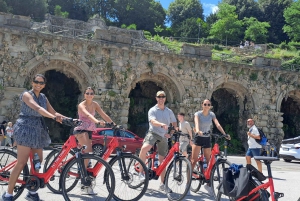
(263, 195)
(53, 185)
(5, 159)
(180, 181)
(131, 188)
(216, 175)
(71, 171)
(196, 183)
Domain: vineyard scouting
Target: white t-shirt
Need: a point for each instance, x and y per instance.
(9, 131)
(185, 127)
(251, 141)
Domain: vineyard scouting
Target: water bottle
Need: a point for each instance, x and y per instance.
(204, 163)
(36, 162)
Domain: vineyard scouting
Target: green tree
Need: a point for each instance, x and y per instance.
(227, 27)
(184, 13)
(273, 13)
(4, 7)
(292, 19)
(144, 13)
(245, 8)
(58, 12)
(256, 31)
(36, 9)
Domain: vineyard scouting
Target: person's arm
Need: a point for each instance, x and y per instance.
(253, 135)
(102, 113)
(28, 100)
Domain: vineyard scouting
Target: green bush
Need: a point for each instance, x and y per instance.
(217, 47)
(284, 46)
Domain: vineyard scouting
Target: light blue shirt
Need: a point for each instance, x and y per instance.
(205, 122)
(165, 116)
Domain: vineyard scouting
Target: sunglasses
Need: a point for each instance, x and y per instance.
(206, 104)
(37, 82)
(160, 96)
(87, 93)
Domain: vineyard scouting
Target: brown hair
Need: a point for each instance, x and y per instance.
(89, 88)
(181, 113)
(205, 100)
(39, 75)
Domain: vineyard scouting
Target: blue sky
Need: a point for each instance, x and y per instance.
(209, 6)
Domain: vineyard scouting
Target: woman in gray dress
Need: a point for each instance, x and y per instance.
(30, 131)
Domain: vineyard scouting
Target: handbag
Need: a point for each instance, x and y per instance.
(236, 184)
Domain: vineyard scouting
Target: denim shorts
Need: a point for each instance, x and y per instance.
(253, 152)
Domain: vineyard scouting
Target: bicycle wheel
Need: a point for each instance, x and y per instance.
(260, 195)
(216, 175)
(196, 183)
(178, 181)
(6, 158)
(97, 189)
(130, 188)
(53, 184)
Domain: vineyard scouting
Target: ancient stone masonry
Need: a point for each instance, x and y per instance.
(113, 60)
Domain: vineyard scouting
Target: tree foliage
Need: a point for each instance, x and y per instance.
(292, 19)
(4, 7)
(245, 8)
(255, 30)
(58, 12)
(36, 9)
(144, 13)
(273, 13)
(227, 26)
(184, 12)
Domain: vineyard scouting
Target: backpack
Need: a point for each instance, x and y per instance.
(263, 139)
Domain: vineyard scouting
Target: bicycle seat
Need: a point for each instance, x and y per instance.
(266, 158)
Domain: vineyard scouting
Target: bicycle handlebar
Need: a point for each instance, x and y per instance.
(71, 122)
(113, 126)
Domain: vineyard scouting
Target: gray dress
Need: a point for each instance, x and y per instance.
(30, 129)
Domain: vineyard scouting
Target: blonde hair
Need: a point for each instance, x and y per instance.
(9, 124)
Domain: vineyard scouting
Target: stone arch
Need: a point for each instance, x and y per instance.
(238, 88)
(65, 65)
(173, 88)
(294, 94)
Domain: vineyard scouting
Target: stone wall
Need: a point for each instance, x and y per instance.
(114, 68)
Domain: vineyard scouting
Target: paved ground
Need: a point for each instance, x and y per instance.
(286, 179)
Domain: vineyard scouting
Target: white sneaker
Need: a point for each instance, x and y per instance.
(88, 190)
(208, 189)
(141, 177)
(162, 187)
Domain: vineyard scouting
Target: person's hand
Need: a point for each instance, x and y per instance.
(200, 133)
(164, 126)
(58, 118)
(227, 136)
(191, 143)
(177, 128)
(167, 135)
(248, 133)
(101, 122)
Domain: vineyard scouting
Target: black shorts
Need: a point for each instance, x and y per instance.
(83, 131)
(202, 141)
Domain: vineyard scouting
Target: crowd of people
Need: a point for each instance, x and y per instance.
(30, 133)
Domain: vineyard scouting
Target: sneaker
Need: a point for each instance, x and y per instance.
(142, 177)
(208, 189)
(162, 187)
(7, 198)
(88, 190)
(32, 197)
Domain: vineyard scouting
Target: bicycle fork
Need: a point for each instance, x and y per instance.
(122, 165)
(177, 175)
(82, 169)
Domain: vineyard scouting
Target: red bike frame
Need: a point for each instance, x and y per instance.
(56, 164)
(158, 170)
(215, 151)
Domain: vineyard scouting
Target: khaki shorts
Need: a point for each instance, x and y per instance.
(162, 145)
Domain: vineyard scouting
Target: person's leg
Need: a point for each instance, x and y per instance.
(249, 156)
(83, 139)
(22, 158)
(195, 153)
(162, 148)
(143, 153)
(207, 153)
(256, 152)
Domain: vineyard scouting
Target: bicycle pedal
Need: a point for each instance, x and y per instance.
(278, 195)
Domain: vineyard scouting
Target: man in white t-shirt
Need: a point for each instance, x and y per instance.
(254, 148)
